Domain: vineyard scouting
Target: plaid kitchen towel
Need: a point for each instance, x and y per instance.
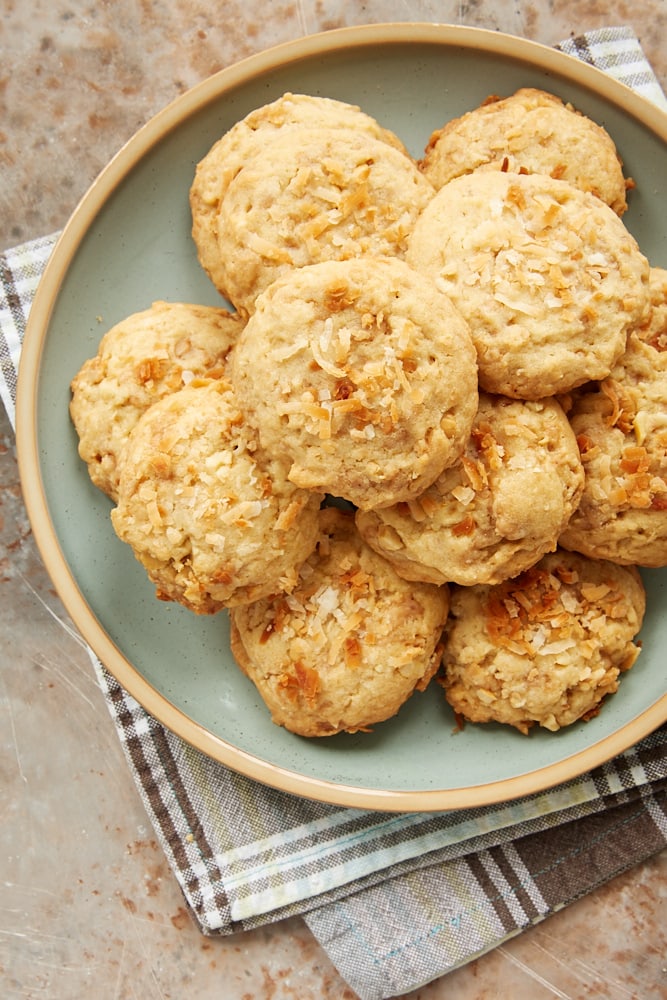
(396, 900)
(617, 51)
(245, 853)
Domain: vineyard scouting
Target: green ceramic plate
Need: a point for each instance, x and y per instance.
(129, 243)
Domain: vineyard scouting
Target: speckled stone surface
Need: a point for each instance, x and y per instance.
(88, 905)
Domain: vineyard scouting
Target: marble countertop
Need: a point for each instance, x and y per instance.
(88, 904)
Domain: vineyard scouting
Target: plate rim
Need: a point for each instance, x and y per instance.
(195, 99)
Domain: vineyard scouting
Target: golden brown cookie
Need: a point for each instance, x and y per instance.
(314, 194)
(253, 134)
(530, 131)
(495, 512)
(362, 375)
(144, 357)
(212, 519)
(544, 648)
(351, 643)
(548, 277)
(621, 427)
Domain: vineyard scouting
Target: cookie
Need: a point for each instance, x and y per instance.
(143, 357)
(213, 520)
(351, 643)
(621, 427)
(498, 510)
(362, 375)
(531, 131)
(252, 134)
(314, 194)
(548, 277)
(544, 648)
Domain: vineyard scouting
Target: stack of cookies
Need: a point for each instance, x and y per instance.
(428, 436)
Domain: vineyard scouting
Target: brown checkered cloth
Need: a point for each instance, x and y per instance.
(245, 854)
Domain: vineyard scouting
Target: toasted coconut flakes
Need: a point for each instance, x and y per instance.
(289, 350)
(352, 648)
(377, 368)
(348, 625)
(598, 260)
(154, 515)
(343, 347)
(326, 335)
(444, 279)
(511, 607)
(269, 251)
(517, 305)
(464, 494)
(404, 337)
(631, 657)
(640, 427)
(594, 592)
(561, 620)
(622, 415)
(215, 539)
(570, 602)
(524, 600)
(417, 511)
(587, 447)
(349, 405)
(288, 516)
(558, 646)
(327, 600)
(539, 638)
(598, 623)
(429, 504)
(306, 572)
(173, 535)
(315, 411)
(465, 527)
(301, 180)
(161, 463)
(303, 681)
(635, 459)
(312, 233)
(294, 604)
(325, 365)
(470, 279)
(475, 472)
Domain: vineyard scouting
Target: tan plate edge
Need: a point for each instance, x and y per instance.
(29, 468)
